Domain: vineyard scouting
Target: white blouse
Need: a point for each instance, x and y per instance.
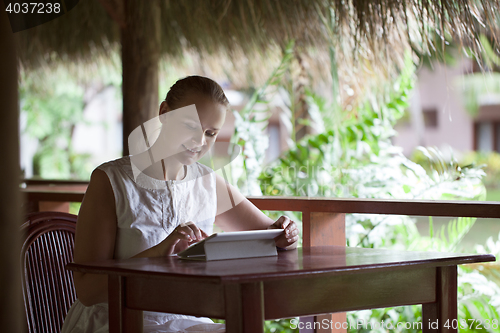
(147, 211)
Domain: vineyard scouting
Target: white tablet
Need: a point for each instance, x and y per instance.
(232, 245)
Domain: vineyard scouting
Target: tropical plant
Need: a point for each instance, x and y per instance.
(479, 290)
(52, 105)
(250, 123)
(52, 110)
(478, 89)
(490, 162)
(354, 157)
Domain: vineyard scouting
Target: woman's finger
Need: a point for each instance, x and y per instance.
(290, 227)
(186, 231)
(181, 234)
(196, 231)
(291, 232)
(292, 235)
(203, 234)
(285, 221)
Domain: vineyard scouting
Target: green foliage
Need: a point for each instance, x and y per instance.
(355, 158)
(442, 50)
(479, 289)
(478, 299)
(446, 239)
(279, 326)
(250, 122)
(475, 88)
(480, 87)
(490, 162)
(378, 320)
(52, 108)
(490, 57)
(52, 104)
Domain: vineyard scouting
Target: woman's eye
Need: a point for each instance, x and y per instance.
(190, 126)
(210, 133)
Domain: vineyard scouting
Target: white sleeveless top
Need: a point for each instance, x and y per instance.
(147, 211)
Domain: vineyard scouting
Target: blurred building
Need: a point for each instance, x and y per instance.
(438, 115)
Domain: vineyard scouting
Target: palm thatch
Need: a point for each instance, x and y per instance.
(364, 29)
(372, 35)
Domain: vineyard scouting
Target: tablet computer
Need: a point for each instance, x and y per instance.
(232, 245)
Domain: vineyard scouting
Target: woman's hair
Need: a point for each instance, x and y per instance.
(198, 85)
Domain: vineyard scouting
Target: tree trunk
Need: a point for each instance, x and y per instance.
(301, 108)
(140, 38)
(10, 286)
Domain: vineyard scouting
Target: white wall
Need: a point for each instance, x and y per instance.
(439, 88)
(101, 133)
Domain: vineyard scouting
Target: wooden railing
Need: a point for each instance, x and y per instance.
(51, 195)
(323, 219)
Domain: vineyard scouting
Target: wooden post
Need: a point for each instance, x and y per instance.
(121, 319)
(441, 316)
(244, 307)
(140, 38)
(10, 219)
(321, 229)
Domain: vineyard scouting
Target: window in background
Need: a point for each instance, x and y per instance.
(487, 136)
(430, 118)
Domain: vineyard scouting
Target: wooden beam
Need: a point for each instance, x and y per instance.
(140, 39)
(483, 209)
(10, 217)
(321, 229)
(480, 209)
(131, 321)
(435, 315)
(115, 9)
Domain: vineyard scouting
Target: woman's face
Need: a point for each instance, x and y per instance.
(191, 132)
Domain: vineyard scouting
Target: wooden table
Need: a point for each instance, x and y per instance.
(301, 282)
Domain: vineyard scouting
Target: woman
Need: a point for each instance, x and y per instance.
(159, 202)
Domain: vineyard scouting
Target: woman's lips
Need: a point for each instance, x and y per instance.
(192, 151)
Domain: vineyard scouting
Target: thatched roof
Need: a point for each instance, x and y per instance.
(371, 28)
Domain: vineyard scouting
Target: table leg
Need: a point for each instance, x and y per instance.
(121, 319)
(244, 306)
(441, 316)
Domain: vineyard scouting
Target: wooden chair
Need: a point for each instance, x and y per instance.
(48, 288)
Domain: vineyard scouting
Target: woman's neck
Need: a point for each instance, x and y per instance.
(166, 169)
(165, 166)
(172, 170)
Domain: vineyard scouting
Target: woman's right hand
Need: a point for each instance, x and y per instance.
(184, 235)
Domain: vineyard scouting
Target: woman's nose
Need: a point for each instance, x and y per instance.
(199, 139)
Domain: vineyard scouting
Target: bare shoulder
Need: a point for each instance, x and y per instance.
(96, 226)
(99, 179)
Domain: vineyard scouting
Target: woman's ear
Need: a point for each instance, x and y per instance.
(164, 108)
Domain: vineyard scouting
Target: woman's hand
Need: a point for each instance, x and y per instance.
(287, 240)
(181, 238)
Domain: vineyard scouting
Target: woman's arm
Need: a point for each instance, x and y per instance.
(96, 235)
(237, 213)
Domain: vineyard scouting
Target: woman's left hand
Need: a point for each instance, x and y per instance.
(288, 239)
